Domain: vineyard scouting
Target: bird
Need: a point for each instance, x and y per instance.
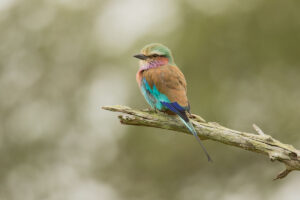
(163, 85)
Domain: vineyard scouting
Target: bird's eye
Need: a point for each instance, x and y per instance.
(155, 55)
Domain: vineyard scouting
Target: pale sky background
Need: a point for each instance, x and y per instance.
(62, 60)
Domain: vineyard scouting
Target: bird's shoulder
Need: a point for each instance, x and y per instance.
(169, 76)
(169, 81)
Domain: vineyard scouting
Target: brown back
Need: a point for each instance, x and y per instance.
(170, 81)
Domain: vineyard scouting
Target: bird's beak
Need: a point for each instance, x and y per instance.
(140, 56)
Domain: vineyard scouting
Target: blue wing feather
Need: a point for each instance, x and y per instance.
(176, 108)
(153, 96)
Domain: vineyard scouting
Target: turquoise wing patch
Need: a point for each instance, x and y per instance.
(153, 96)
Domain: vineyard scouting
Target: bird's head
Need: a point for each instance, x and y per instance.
(155, 55)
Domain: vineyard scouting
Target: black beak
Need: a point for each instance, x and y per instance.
(140, 56)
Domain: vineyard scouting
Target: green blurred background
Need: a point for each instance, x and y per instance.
(61, 60)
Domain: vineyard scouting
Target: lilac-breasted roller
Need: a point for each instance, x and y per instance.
(163, 85)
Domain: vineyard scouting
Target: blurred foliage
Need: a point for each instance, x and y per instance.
(61, 60)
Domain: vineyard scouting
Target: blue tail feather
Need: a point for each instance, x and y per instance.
(180, 111)
(191, 128)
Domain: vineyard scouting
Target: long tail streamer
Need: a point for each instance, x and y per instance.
(180, 111)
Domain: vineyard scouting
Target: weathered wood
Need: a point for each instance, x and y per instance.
(259, 143)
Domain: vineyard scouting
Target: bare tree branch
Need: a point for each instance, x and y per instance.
(259, 143)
